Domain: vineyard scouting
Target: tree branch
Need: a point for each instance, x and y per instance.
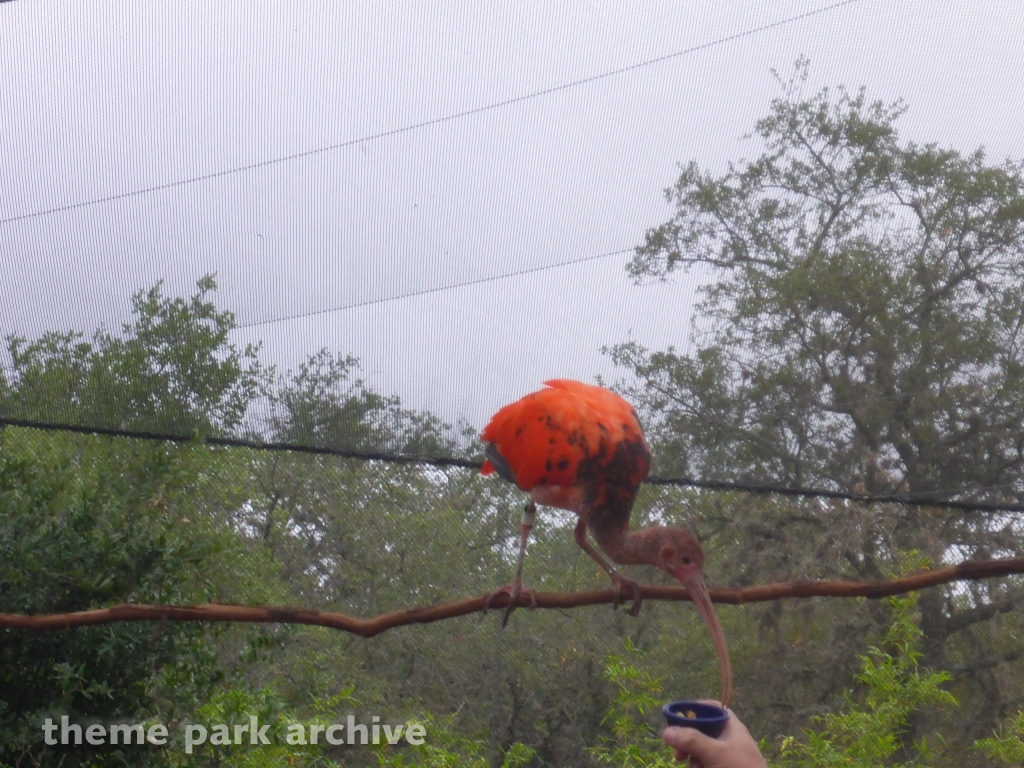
(987, 663)
(964, 619)
(969, 570)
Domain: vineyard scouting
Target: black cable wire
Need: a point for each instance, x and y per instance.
(450, 461)
(437, 289)
(422, 124)
(232, 442)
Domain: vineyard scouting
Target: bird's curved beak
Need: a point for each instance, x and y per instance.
(694, 582)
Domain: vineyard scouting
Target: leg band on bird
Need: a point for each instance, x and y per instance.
(525, 526)
(514, 588)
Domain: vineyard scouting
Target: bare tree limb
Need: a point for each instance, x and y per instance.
(968, 570)
(964, 619)
(987, 663)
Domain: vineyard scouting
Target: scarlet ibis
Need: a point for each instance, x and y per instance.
(580, 447)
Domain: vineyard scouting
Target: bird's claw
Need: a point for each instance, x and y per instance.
(618, 581)
(513, 590)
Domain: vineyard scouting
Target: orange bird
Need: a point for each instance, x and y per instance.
(580, 447)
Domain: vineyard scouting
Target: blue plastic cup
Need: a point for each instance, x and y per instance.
(706, 718)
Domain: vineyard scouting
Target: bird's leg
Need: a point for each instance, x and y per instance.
(618, 580)
(515, 588)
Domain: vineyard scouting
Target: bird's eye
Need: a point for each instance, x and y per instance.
(686, 561)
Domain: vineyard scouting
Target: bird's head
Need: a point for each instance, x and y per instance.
(679, 553)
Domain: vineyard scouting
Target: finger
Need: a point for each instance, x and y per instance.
(691, 742)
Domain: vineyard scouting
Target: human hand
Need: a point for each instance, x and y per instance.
(734, 748)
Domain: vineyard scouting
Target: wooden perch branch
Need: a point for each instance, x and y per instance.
(969, 570)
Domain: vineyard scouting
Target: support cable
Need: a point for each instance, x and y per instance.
(415, 126)
(469, 463)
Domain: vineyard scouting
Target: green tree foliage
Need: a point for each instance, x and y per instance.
(86, 523)
(447, 748)
(235, 705)
(865, 732)
(1006, 748)
(89, 522)
(634, 741)
(869, 733)
(159, 523)
(869, 295)
(865, 298)
(324, 405)
(171, 371)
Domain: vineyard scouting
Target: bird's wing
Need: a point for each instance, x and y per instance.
(544, 438)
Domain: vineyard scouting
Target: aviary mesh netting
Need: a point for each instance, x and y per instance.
(268, 271)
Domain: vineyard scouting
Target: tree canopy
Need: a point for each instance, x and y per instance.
(868, 299)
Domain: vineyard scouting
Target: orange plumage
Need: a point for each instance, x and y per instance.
(566, 433)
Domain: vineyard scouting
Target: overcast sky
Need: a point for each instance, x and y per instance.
(101, 98)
